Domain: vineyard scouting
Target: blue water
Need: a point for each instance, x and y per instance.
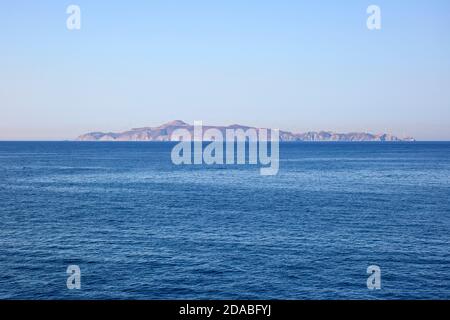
(140, 227)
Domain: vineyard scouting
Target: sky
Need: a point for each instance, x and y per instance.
(289, 64)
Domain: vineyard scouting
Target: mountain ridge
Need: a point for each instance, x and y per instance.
(164, 131)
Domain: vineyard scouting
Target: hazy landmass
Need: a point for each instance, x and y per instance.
(163, 133)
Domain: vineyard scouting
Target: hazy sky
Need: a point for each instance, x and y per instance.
(295, 65)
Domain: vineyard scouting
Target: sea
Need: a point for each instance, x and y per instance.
(140, 227)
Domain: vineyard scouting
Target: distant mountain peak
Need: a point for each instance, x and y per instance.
(164, 132)
(238, 126)
(175, 123)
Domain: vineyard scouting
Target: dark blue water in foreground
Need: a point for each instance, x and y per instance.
(141, 228)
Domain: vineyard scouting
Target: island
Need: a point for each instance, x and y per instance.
(163, 133)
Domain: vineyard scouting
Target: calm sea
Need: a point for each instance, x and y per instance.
(140, 227)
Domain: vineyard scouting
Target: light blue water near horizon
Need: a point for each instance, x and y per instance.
(140, 227)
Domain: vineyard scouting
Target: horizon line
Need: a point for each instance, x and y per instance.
(152, 141)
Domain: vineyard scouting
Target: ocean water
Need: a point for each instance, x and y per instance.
(140, 227)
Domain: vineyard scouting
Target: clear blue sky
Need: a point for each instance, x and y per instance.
(295, 65)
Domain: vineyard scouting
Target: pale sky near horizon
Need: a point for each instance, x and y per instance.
(293, 65)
